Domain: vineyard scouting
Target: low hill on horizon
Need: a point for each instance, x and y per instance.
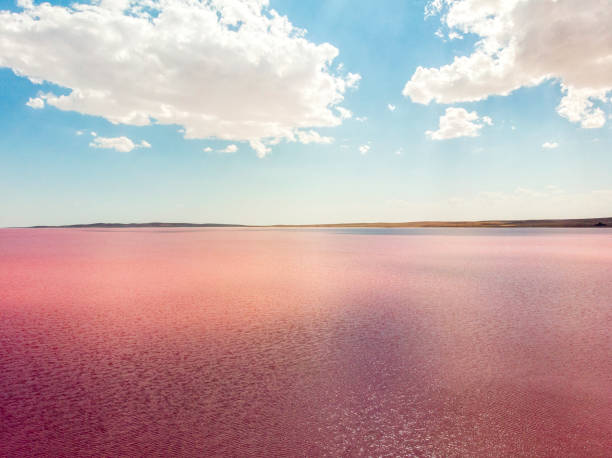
(128, 225)
(582, 222)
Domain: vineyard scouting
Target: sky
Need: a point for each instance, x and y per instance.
(292, 112)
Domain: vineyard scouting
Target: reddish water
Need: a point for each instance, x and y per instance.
(251, 342)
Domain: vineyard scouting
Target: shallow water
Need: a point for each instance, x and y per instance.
(306, 342)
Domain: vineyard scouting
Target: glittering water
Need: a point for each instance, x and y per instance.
(306, 342)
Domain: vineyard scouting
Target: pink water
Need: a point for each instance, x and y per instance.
(305, 343)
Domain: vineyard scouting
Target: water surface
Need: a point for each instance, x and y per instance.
(235, 342)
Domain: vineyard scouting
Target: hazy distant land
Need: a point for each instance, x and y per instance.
(585, 222)
(128, 225)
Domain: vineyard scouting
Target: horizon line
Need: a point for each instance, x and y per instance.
(549, 222)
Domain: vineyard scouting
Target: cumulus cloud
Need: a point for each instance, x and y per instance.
(36, 103)
(578, 106)
(260, 148)
(344, 113)
(391, 107)
(363, 149)
(121, 144)
(231, 69)
(458, 122)
(550, 145)
(523, 43)
(313, 137)
(352, 80)
(229, 149)
(207, 149)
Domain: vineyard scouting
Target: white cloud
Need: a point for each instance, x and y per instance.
(399, 152)
(522, 43)
(36, 103)
(344, 113)
(363, 149)
(312, 137)
(79, 132)
(391, 107)
(208, 149)
(361, 118)
(577, 105)
(458, 122)
(230, 69)
(550, 145)
(260, 148)
(352, 80)
(121, 144)
(229, 149)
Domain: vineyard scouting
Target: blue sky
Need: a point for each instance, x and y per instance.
(64, 162)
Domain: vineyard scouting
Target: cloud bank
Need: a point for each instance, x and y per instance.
(522, 43)
(231, 69)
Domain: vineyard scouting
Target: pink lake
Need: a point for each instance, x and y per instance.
(237, 342)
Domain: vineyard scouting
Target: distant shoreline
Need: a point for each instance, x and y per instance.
(560, 223)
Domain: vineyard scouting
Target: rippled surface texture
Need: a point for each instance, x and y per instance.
(306, 343)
